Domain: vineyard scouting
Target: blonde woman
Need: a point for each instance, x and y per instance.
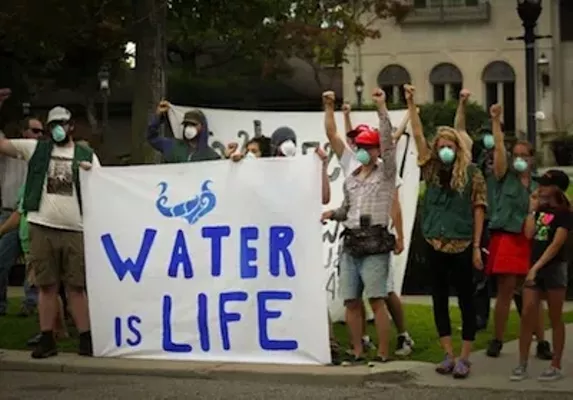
(452, 224)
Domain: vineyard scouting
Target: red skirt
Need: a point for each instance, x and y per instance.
(509, 253)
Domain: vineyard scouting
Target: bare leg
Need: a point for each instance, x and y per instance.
(505, 289)
(555, 300)
(79, 308)
(355, 322)
(47, 307)
(382, 325)
(529, 315)
(394, 306)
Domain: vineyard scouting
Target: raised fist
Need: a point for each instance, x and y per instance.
(495, 111)
(321, 154)
(231, 149)
(465, 95)
(162, 107)
(378, 96)
(346, 108)
(409, 91)
(328, 98)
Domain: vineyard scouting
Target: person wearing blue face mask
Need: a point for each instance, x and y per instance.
(509, 249)
(452, 223)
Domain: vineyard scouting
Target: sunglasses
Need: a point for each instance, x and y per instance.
(37, 131)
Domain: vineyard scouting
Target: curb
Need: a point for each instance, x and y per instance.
(394, 373)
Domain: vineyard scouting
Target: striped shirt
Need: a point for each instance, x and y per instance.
(371, 195)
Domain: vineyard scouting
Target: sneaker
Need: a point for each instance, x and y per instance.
(353, 360)
(85, 347)
(377, 360)
(34, 340)
(519, 373)
(403, 347)
(368, 344)
(494, 348)
(446, 366)
(550, 374)
(46, 347)
(544, 350)
(462, 369)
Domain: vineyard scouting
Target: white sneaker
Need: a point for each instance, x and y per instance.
(404, 345)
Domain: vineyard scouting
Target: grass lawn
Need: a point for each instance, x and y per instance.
(15, 331)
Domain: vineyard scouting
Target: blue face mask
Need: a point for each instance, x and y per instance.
(520, 165)
(488, 141)
(447, 155)
(58, 134)
(362, 156)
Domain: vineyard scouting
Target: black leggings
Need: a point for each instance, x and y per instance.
(452, 270)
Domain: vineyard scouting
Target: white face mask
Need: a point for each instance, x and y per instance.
(288, 148)
(250, 155)
(190, 132)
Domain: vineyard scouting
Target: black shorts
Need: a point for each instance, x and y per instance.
(553, 276)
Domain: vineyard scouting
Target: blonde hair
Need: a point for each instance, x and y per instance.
(459, 171)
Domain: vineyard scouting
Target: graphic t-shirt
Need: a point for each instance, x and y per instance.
(59, 206)
(546, 224)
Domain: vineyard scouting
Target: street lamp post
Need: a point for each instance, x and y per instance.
(359, 87)
(529, 11)
(103, 76)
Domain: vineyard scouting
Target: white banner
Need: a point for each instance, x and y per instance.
(210, 261)
(240, 126)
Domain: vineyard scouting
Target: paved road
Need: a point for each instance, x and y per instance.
(60, 386)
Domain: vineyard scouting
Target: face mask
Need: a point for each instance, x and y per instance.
(58, 134)
(362, 156)
(488, 142)
(288, 148)
(250, 155)
(447, 155)
(190, 132)
(520, 165)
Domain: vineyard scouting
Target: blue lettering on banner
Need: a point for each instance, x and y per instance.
(122, 267)
(168, 344)
(225, 317)
(281, 238)
(180, 256)
(265, 314)
(216, 234)
(248, 255)
(203, 322)
(133, 322)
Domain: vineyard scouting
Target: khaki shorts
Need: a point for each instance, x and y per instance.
(30, 276)
(56, 255)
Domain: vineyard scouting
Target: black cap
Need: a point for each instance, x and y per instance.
(554, 177)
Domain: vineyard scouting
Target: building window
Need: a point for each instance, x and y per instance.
(447, 82)
(499, 80)
(565, 18)
(444, 3)
(391, 79)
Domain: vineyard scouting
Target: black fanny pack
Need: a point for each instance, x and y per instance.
(369, 240)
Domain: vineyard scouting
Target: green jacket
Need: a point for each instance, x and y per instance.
(511, 203)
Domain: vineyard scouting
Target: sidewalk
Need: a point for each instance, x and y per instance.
(487, 373)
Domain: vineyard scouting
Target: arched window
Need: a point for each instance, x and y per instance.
(447, 82)
(392, 79)
(499, 80)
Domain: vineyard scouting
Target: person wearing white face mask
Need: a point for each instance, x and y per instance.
(194, 143)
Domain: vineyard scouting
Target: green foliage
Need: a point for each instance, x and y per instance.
(434, 115)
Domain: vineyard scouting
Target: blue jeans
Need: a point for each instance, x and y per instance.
(9, 251)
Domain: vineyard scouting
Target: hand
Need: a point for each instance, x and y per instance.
(495, 111)
(85, 165)
(346, 108)
(378, 96)
(476, 259)
(162, 107)
(409, 91)
(237, 156)
(531, 275)
(231, 148)
(464, 95)
(328, 99)
(322, 155)
(399, 246)
(534, 201)
(327, 215)
(5, 93)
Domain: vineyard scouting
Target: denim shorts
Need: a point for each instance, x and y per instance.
(363, 276)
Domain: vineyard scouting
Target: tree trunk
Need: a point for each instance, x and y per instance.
(149, 88)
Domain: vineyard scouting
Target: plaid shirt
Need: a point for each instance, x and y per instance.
(373, 194)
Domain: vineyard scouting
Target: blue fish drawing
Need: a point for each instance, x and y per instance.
(193, 209)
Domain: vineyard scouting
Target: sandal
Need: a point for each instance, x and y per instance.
(462, 369)
(446, 366)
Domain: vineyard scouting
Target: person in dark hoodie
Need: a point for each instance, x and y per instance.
(283, 142)
(194, 145)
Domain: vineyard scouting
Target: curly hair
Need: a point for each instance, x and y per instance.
(459, 171)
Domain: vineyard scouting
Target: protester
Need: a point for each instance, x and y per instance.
(12, 175)
(452, 223)
(509, 249)
(18, 220)
(52, 201)
(547, 225)
(349, 163)
(256, 148)
(368, 196)
(283, 142)
(194, 145)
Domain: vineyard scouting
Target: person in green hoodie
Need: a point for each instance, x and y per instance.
(194, 143)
